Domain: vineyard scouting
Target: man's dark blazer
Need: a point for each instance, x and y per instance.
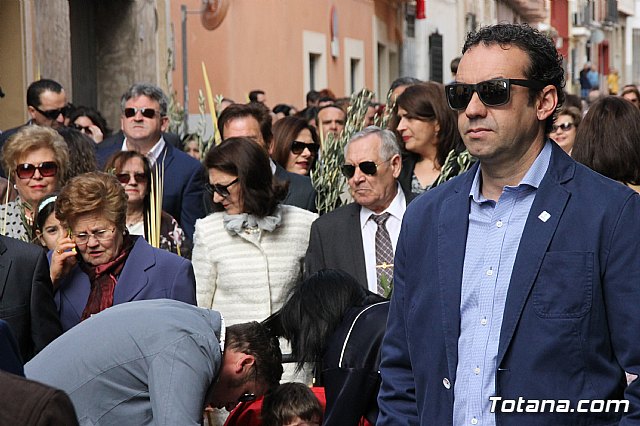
(26, 296)
(336, 242)
(148, 273)
(10, 360)
(183, 184)
(571, 319)
(105, 148)
(301, 193)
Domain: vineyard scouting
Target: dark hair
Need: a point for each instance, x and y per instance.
(630, 88)
(82, 152)
(426, 102)
(116, 162)
(38, 87)
(93, 115)
(253, 338)
(315, 307)
(260, 190)
(45, 208)
(454, 64)
(285, 131)
(571, 100)
(545, 63)
(256, 110)
(607, 140)
(283, 108)
(149, 90)
(403, 81)
(312, 97)
(253, 95)
(332, 105)
(288, 401)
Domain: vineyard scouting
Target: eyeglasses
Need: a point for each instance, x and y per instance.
(297, 147)
(565, 127)
(221, 190)
(146, 112)
(81, 128)
(102, 235)
(126, 177)
(247, 397)
(52, 114)
(367, 167)
(27, 170)
(493, 92)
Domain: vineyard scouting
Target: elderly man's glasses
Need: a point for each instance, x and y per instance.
(221, 190)
(493, 92)
(562, 126)
(126, 177)
(27, 170)
(297, 147)
(367, 167)
(82, 238)
(146, 112)
(52, 114)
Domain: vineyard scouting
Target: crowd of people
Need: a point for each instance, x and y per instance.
(488, 253)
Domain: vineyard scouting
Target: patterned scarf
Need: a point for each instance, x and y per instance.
(103, 280)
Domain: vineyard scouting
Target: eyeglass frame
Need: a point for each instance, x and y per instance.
(127, 112)
(38, 167)
(49, 113)
(88, 235)
(531, 84)
(350, 174)
(139, 177)
(312, 147)
(221, 190)
(565, 127)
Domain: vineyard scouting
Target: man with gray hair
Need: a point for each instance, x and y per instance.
(360, 238)
(143, 121)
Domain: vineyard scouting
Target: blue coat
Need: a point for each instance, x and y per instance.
(148, 273)
(572, 313)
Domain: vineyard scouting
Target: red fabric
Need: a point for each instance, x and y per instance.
(421, 12)
(103, 281)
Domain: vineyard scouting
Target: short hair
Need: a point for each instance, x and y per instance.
(282, 108)
(630, 88)
(149, 90)
(32, 138)
(454, 64)
(607, 140)
(573, 112)
(36, 88)
(545, 62)
(253, 338)
(260, 190)
(427, 101)
(388, 143)
(331, 105)
(253, 109)
(45, 207)
(315, 308)
(253, 95)
(288, 401)
(403, 81)
(312, 96)
(93, 115)
(82, 152)
(93, 193)
(285, 131)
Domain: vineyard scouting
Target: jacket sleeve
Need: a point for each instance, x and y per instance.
(184, 285)
(204, 268)
(314, 258)
(45, 321)
(192, 207)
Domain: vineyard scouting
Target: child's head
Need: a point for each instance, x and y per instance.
(291, 404)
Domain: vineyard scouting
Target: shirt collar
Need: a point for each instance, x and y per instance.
(396, 208)
(154, 153)
(532, 178)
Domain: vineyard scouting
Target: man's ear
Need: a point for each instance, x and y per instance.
(546, 102)
(164, 123)
(396, 165)
(244, 363)
(32, 112)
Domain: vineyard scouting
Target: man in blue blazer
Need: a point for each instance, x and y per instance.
(518, 281)
(143, 121)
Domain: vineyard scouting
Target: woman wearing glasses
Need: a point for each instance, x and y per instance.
(134, 174)
(428, 131)
(36, 159)
(565, 127)
(98, 263)
(295, 145)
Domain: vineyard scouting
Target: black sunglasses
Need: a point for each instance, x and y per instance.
(52, 114)
(367, 167)
(297, 147)
(27, 170)
(247, 397)
(80, 128)
(126, 177)
(146, 112)
(562, 126)
(221, 190)
(493, 92)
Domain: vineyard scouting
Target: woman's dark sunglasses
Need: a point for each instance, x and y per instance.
(146, 112)
(125, 177)
(52, 114)
(493, 92)
(221, 190)
(81, 128)
(562, 126)
(27, 170)
(297, 147)
(367, 167)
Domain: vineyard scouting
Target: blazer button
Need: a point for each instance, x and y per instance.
(446, 383)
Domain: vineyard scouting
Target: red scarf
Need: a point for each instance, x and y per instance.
(103, 280)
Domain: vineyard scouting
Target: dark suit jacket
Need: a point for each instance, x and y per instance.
(183, 184)
(571, 318)
(148, 273)
(26, 296)
(10, 360)
(301, 192)
(25, 402)
(336, 242)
